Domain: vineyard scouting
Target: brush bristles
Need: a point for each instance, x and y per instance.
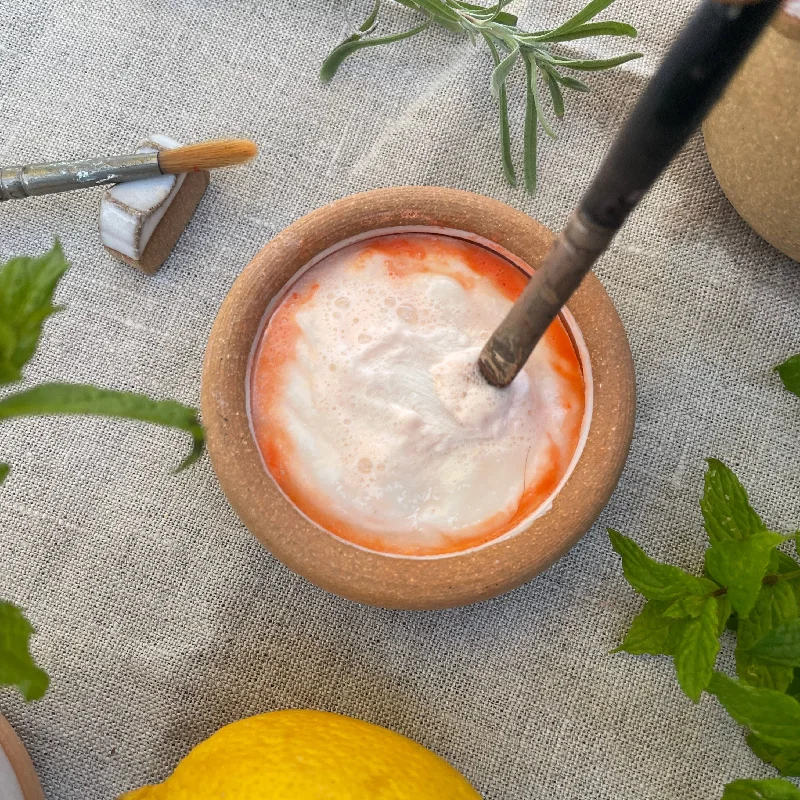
(206, 155)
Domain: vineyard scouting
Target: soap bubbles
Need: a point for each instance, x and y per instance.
(394, 429)
(407, 313)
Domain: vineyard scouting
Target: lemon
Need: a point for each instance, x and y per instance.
(308, 755)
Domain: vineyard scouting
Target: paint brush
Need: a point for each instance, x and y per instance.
(65, 176)
(688, 82)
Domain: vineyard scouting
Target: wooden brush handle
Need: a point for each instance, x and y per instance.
(688, 82)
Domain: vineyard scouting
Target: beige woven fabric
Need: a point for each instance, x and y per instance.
(160, 618)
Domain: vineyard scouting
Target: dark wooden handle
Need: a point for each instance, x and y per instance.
(688, 82)
(686, 85)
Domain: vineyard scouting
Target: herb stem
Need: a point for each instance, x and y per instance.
(507, 45)
(767, 580)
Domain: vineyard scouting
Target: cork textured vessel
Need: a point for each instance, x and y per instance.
(389, 580)
(753, 135)
(21, 765)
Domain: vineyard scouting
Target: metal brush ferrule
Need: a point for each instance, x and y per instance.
(64, 176)
(565, 265)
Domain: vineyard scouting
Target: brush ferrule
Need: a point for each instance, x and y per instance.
(565, 265)
(63, 176)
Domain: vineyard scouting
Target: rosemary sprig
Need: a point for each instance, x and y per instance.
(507, 45)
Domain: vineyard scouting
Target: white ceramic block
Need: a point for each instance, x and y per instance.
(130, 212)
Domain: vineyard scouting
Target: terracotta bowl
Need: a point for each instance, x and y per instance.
(21, 766)
(389, 580)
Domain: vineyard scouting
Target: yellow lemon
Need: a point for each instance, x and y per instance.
(309, 755)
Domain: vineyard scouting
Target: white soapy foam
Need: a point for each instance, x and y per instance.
(390, 419)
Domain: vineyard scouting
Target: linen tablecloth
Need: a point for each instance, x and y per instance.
(159, 617)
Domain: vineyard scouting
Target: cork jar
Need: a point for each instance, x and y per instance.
(753, 135)
(386, 579)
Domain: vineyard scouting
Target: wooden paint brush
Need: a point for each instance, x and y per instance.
(65, 176)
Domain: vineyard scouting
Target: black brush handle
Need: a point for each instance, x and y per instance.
(688, 82)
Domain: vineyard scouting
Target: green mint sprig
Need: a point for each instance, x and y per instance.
(789, 373)
(769, 789)
(17, 667)
(748, 586)
(508, 46)
(26, 301)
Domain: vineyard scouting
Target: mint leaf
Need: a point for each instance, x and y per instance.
(789, 373)
(772, 716)
(4, 470)
(656, 581)
(655, 632)
(789, 570)
(697, 650)
(17, 668)
(681, 619)
(724, 613)
(769, 789)
(690, 606)
(740, 564)
(783, 564)
(726, 509)
(26, 300)
(780, 645)
(785, 759)
(775, 605)
(651, 632)
(69, 398)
